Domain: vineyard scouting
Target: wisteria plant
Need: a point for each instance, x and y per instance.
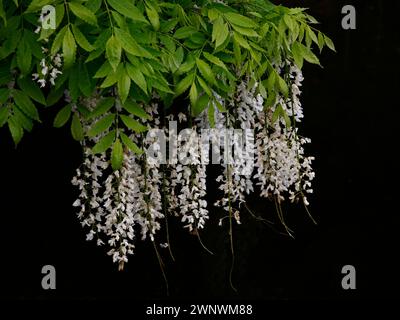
(116, 68)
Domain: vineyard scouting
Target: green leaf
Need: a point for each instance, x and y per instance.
(25, 104)
(329, 43)
(24, 56)
(240, 20)
(15, 129)
(135, 109)
(178, 57)
(103, 71)
(104, 143)
(220, 107)
(101, 40)
(184, 84)
(54, 96)
(279, 112)
(62, 116)
(271, 99)
(83, 13)
(215, 60)
(9, 45)
(160, 85)
(261, 90)
(102, 107)
(220, 32)
(127, 9)
(193, 94)
(119, 19)
(101, 125)
(276, 114)
(99, 44)
(94, 55)
(308, 55)
(130, 144)
(153, 16)
(297, 54)
(133, 124)
(4, 95)
(69, 48)
(112, 78)
(283, 87)
(113, 52)
(58, 40)
(76, 128)
(3, 13)
(137, 76)
(204, 85)
(288, 123)
(237, 52)
(32, 90)
(289, 22)
(36, 5)
(83, 111)
(245, 31)
(262, 69)
(321, 41)
(168, 43)
(312, 35)
(81, 39)
(308, 39)
(255, 14)
(168, 25)
(73, 83)
(130, 45)
(124, 84)
(205, 70)
(184, 32)
(213, 14)
(186, 67)
(201, 105)
(240, 40)
(257, 47)
(4, 112)
(94, 5)
(270, 83)
(23, 120)
(198, 38)
(117, 155)
(84, 83)
(31, 39)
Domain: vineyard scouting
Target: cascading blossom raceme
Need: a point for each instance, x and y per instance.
(282, 167)
(191, 182)
(117, 205)
(239, 150)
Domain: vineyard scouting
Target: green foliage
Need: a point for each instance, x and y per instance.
(104, 143)
(76, 128)
(130, 144)
(132, 50)
(117, 155)
(62, 116)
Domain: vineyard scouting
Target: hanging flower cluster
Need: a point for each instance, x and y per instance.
(48, 69)
(120, 72)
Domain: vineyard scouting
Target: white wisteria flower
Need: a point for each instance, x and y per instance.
(49, 69)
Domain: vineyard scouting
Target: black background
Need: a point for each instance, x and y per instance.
(351, 108)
